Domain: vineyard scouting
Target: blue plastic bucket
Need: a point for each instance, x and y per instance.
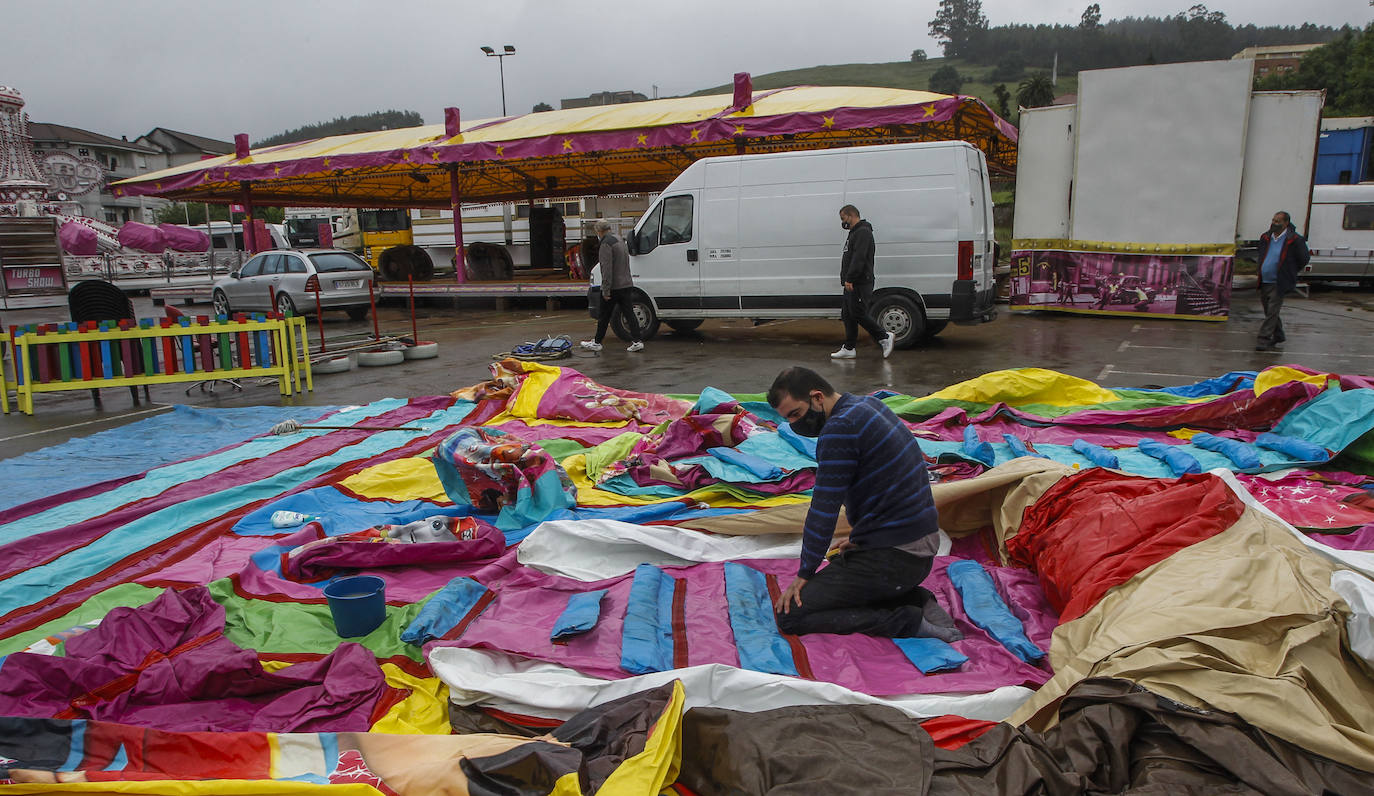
(358, 604)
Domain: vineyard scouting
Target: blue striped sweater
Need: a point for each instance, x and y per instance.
(869, 463)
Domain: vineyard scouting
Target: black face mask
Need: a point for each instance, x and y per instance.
(1275, 229)
(809, 424)
(844, 225)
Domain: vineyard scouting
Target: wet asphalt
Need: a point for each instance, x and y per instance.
(1327, 330)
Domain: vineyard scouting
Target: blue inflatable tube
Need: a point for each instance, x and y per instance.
(1096, 454)
(1240, 454)
(1299, 449)
(1179, 461)
(975, 448)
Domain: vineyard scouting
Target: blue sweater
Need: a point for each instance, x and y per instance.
(869, 463)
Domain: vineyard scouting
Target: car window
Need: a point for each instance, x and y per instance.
(254, 266)
(338, 261)
(648, 231)
(294, 265)
(273, 264)
(1358, 217)
(677, 220)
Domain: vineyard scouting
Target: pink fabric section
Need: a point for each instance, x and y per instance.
(184, 239)
(528, 602)
(141, 236)
(1311, 505)
(79, 239)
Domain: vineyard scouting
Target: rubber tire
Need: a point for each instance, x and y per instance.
(933, 328)
(332, 365)
(220, 301)
(898, 314)
(423, 349)
(685, 324)
(285, 305)
(377, 359)
(400, 261)
(644, 311)
(357, 313)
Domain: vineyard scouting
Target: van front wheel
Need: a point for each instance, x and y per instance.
(900, 316)
(644, 313)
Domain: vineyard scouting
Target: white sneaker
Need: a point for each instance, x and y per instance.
(888, 344)
(635, 347)
(845, 352)
(591, 345)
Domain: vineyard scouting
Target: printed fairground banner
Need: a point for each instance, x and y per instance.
(1194, 286)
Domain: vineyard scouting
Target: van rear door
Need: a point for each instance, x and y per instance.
(983, 257)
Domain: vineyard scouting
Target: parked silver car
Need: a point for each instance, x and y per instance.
(294, 277)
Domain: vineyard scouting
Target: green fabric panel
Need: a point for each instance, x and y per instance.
(561, 448)
(269, 627)
(124, 595)
(609, 452)
(921, 408)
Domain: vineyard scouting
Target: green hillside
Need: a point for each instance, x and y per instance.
(897, 74)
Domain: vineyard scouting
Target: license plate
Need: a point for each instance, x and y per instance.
(347, 284)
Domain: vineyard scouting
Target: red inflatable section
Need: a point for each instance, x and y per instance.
(952, 732)
(1097, 529)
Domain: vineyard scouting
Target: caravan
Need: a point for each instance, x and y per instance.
(758, 236)
(1341, 234)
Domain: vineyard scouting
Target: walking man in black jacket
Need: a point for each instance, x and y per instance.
(856, 274)
(1282, 254)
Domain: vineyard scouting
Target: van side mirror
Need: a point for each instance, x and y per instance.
(632, 243)
(235, 275)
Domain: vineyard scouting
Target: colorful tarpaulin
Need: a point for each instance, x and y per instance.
(627, 148)
(169, 600)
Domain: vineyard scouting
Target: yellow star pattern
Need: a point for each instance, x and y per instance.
(567, 144)
(326, 163)
(405, 156)
(226, 171)
(157, 185)
(827, 121)
(642, 139)
(930, 111)
(434, 155)
(500, 150)
(277, 171)
(739, 129)
(118, 191)
(696, 135)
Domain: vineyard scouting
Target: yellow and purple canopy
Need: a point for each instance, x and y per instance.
(637, 147)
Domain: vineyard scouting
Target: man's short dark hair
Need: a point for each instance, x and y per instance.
(1287, 217)
(797, 382)
(849, 210)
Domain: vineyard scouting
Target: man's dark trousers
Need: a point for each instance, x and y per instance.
(620, 299)
(857, 303)
(1271, 331)
(876, 592)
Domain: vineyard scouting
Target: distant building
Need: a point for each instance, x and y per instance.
(80, 165)
(181, 148)
(602, 98)
(1275, 59)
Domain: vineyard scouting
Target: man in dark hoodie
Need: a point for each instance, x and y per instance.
(617, 291)
(1282, 254)
(856, 274)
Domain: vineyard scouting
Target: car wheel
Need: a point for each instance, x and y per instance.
(357, 313)
(285, 305)
(935, 327)
(900, 316)
(684, 324)
(221, 303)
(644, 313)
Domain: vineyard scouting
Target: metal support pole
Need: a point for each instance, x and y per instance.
(319, 318)
(372, 299)
(250, 238)
(414, 330)
(455, 200)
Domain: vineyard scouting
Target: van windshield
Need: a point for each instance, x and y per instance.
(384, 220)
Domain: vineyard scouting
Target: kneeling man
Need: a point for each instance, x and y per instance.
(869, 463)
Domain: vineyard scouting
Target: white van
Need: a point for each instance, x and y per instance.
(758, 236)
(1341, 234)
(229, 237)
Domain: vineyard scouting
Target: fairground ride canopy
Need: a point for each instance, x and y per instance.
(629, 148)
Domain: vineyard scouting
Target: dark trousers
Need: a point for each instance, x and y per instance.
(1271, 330)
(857, 303)
(619, 300)
(876, 592)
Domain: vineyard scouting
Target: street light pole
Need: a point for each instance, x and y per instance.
(501, 62)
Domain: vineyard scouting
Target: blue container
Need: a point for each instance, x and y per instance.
(358, 604)
(1343, 156)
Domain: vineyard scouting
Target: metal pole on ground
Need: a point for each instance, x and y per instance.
(414, 330)
(372, 299)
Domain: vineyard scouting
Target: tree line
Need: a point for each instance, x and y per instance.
(362, 123)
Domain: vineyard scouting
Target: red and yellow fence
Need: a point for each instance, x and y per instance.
(94, 355)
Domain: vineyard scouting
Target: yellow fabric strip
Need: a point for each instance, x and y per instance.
(1277, 376)
(1027, 386)
(657, 766)
(401, 479)
(425, 711)
(1121, 247)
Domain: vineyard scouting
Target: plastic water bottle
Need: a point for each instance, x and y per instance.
(290, 519)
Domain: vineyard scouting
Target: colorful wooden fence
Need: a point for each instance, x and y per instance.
(83, 356)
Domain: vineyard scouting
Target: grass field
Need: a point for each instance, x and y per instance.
(897, 74)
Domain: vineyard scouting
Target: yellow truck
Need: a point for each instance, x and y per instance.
(383, 238)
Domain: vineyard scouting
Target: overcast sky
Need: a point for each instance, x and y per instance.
(265, 66)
